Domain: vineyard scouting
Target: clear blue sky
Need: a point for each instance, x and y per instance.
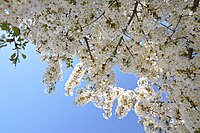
(25, 108)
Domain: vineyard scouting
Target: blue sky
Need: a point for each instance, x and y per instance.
(25, 108)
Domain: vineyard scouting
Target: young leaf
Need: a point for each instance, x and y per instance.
(24, 56)
(5, 26)
(13, 56)
(16, 31)
(4, 45)
(1, 40)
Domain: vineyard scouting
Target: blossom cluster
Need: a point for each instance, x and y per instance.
(74, 79)
(52, 74)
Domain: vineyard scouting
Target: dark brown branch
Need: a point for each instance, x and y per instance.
(128, 23)
(133, 14)
(124, 31)
(195, 4)
(167, 27)
(119, 43)
(174, 30)
(189, 50)
(115, 51)
(112, 3)
(190, 53)
(94, 20)
(100, 15)
(129, 51)
(88, 47)
(179, 38)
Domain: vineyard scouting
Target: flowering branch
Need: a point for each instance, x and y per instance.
(94, 20)
(88, 47)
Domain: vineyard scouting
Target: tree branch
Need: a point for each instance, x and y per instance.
(112, 3)
(133, 14)
(168, 27)
(124, 30)
(129, 51)
(174, 30)
(94, 20)
(88, 47)
(195, 4)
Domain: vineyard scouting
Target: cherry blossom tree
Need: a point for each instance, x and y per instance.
(157, 40)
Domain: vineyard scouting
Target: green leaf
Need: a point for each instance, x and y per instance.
(24, 56)
(5, 26)
(13, 56)
(16, 31)
(140, 121)
(20, 39)
(69, 62)
(44, 26)
(4, 45)
(15, 62)
(71, 2)
(1, 40)
(63, 58)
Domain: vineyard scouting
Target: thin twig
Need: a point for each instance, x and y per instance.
(124, 31)
(133, 14)
(112, 3)
(174, 30)
(94, 20)
(179, 38)
(120, 40)
(88, 47)
(195, 4)
(129, 51)
(167, 27)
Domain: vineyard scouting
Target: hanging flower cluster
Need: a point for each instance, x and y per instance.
(74, 79)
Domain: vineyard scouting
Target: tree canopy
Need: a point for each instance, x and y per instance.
(157, 40)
